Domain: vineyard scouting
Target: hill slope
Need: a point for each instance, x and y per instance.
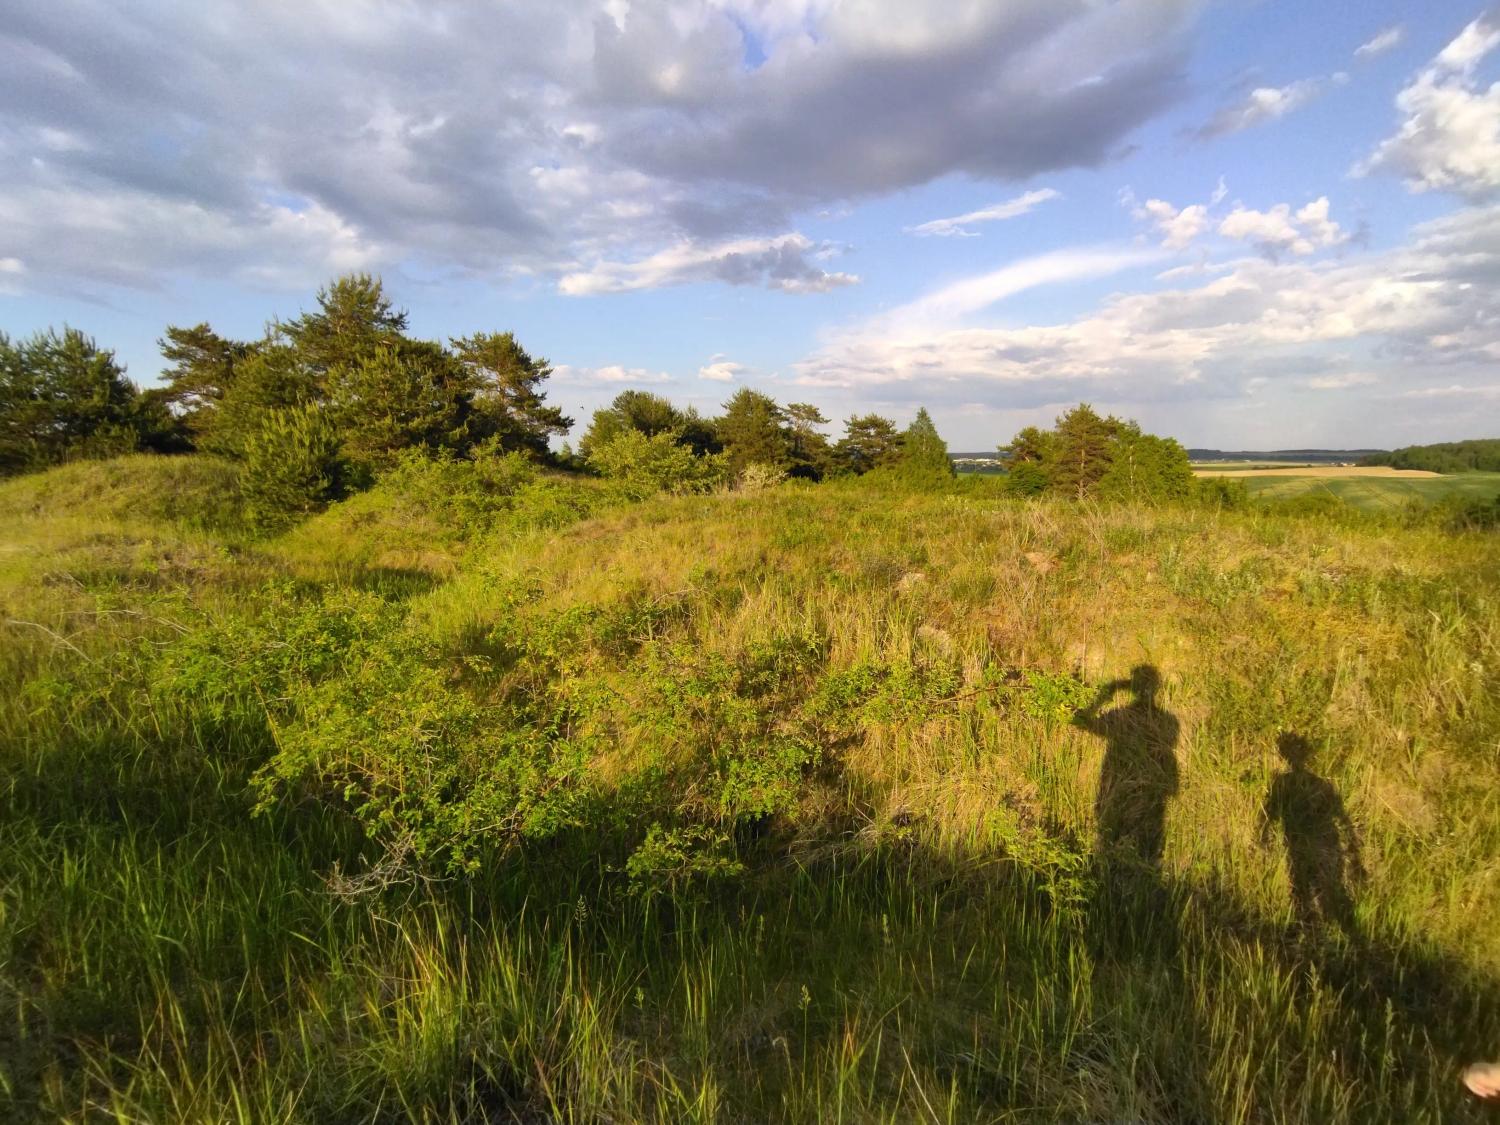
(963, 808)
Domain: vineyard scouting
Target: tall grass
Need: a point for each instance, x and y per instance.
(927, 934)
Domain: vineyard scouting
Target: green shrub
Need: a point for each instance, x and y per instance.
(1027, 478)
(640, 465)
(291, 466)
(1224, 493)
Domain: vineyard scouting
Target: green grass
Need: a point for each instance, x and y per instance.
(1378, 494)
(925, 932)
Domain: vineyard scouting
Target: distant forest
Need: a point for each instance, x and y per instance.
(1482, 455)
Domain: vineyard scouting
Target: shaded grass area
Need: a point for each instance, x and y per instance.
(929, 933)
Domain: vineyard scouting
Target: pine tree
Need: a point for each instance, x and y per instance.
(291, 465)
(924, 454)
(201, 371)
(399, 397)
(62, 396)
(754, 432)
(649, 414)
(869, 442)
(504, 382)
(810, 452)
(1082, 451)
(354, 318)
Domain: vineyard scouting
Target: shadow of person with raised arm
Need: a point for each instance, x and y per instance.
(1131, 915)
(1321, 846)
(1139, 775)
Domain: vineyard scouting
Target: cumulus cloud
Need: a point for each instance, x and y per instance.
(783, 263)
(505, 139)
(1178, 227)
(1381, 43)
(1260, 105)
(1010, 209)
(1449, 135)
(1419, 316)
(1280, 229)
(720, 369)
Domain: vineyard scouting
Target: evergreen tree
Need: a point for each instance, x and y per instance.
(924, 454)
(62, 396)
(869, 442)
(504, 388)
(1031, 446)
(291, 465)
(754, 432)
(649, 414)
(201, 371)
(811, 455)
(354, 318)
(1028, 459)
(399, 397)
(272, 377)
(1082, 450)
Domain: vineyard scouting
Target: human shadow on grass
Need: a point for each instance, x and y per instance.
(1321, 845)
(1139, 775)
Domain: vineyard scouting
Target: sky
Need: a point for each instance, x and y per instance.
(1247, 224)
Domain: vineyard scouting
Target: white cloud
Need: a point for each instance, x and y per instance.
(1010, 209)
(953, 302)
(11, 270)
(1221, 189)
(1381, 43)
(1178, 228)
(610, 374)
(1418, 317)
(1262, 104)
(1342, 381)
(782, 263)
(1279, 229)
(1449, 136)
(721, 370)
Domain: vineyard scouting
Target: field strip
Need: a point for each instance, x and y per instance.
(1322, 471)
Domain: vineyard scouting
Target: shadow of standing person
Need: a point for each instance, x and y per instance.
(1321, 846)
(1138, 978)
(1139, 775)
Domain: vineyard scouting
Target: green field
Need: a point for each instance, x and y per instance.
(847, 803)
(1378, 494)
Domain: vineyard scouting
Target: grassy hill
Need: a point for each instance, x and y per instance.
(839, 804)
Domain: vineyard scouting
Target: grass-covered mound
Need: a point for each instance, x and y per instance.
(822, 803)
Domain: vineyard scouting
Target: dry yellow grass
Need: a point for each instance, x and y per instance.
(1317, 471)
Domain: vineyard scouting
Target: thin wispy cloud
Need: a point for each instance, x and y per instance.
(959, 225)
(1381, 43)
(1263, 104)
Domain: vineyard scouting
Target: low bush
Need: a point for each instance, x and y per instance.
(639, 465)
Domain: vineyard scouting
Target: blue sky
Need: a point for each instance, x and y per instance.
(1246, 224)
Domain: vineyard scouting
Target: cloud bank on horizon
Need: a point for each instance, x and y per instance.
(995, 207)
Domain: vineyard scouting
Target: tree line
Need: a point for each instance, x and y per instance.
(1482, 455)
(322, 404)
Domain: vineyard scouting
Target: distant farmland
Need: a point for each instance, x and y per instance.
(1367, 488)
